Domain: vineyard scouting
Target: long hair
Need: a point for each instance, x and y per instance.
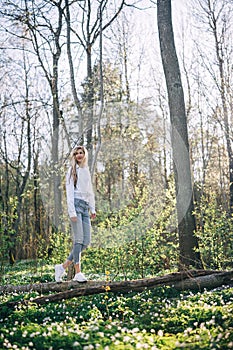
(84, 163)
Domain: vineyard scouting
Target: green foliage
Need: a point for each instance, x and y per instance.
(136, 240)
(59, 246)
(111, 80)
(214, 232)
(162, 318)
(4, 247)
(27, 271)
(7, 231)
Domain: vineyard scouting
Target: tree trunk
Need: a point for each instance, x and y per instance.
(196, 280)
(22, 179)
(90, 32)
(56, 123)
(101, 92)
(90, 105)
(188, 244)
(221, 54)
(72, 77)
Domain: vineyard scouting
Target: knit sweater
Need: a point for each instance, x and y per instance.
(83, 190)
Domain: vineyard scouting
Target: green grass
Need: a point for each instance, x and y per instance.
(161, 318)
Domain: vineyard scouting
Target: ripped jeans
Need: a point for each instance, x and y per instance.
(81, 230)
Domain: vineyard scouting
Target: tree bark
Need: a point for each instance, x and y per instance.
(196, 280)
(72, 77)
(33, 25)
(188, 244)
(90, 32)
(22, 178)
(221, 48)
(101, 92)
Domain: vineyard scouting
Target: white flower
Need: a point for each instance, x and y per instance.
(126, 339)
(160, 333)
(135, 330)
(76, 343)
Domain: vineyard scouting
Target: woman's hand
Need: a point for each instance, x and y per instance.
(74, 219)
(93, 216)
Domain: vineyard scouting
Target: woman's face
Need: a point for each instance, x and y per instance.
(79, 155)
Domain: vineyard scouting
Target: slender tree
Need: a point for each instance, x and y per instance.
(44, 34)
(188, 245)
(218, 16)
(19, 168)
(76, 99)
(94, 21)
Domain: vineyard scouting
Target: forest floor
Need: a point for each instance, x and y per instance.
(158, 318)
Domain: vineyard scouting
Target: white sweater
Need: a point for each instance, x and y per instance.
(83, 190)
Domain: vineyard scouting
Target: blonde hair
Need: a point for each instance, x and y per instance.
(84, 163)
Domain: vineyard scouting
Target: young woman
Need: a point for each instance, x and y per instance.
(80, 200)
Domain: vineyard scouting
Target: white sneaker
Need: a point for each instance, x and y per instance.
(59, 272)
(79, 277)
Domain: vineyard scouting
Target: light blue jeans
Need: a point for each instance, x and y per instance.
(81, 230)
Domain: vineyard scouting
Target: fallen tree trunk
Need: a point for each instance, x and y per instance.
(66, 285)
(193, 280)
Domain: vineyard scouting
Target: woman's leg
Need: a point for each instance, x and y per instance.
(75, 255)
(86, 221)
(86, 229)
(86, 233)
(81, 238)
